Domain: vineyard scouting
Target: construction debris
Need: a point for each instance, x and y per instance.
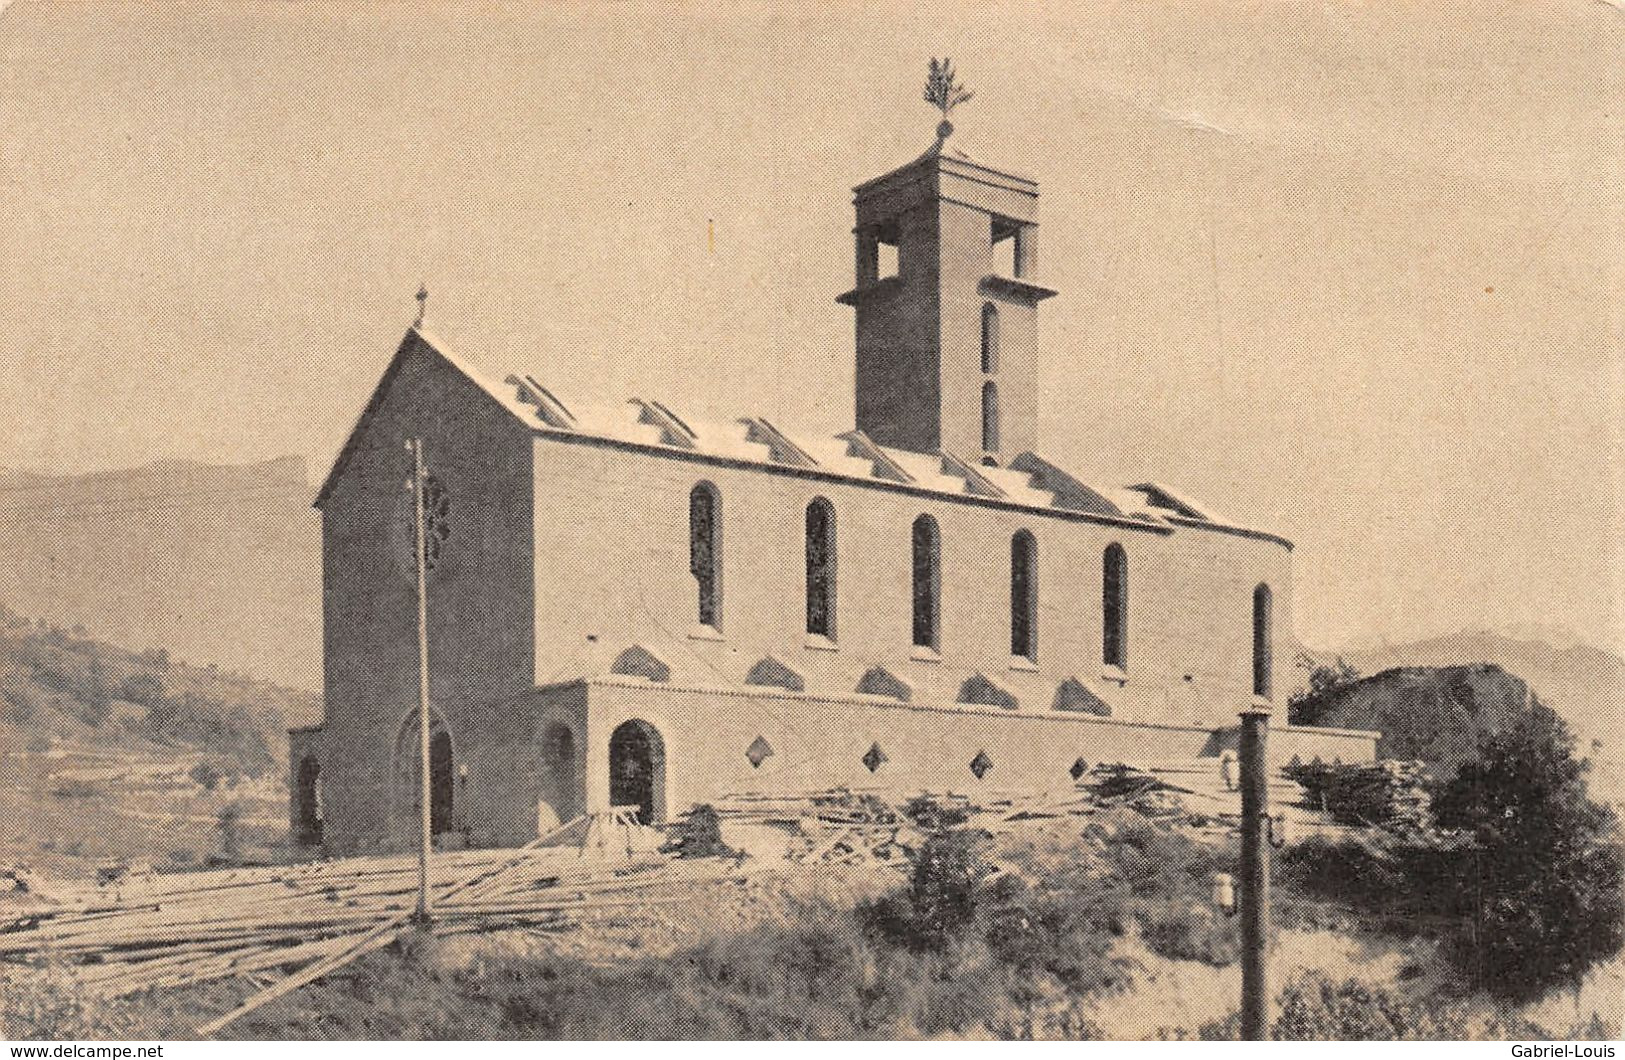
(138, 930)
(184, 928)
(698, 834)
(1392, 795)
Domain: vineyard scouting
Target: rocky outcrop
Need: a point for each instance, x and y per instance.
(1433, 714)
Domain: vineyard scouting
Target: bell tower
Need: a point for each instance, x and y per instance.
(947, 317)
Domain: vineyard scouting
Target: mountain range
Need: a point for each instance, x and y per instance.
(211, 563)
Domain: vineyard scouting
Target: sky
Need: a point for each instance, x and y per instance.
(1350, 272)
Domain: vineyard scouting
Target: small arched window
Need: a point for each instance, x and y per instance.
(560, 745)
(990, 417)
(821, 568)
(927, 582)
(704, 560)
(1024, 596)
(1263, 648)
(1114, 606)
(990, 338)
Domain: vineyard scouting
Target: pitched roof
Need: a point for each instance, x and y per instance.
(1028, 482)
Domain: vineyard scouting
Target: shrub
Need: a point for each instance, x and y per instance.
(1390, 795)
(74, 788)
(1525, 884)
(1314, 1008)
(1318, 1010)
(206, 775)
(1545, 895)
(1303, 707)
(699, 835)
(1044, 934)
(932, 815)
(942, 894)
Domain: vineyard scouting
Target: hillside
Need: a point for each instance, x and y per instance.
(64, 688)
(211, 563)
(1583, 683)
(1436, 714)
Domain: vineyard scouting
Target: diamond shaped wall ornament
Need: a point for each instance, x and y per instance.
(874, 758)
(981, 764)
(1079, 768)
(758, 752)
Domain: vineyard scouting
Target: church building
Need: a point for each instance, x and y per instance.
(631, 606)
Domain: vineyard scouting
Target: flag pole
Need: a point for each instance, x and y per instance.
(424, 815)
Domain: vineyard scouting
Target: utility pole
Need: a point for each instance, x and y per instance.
(1255, 874)
(424, 808)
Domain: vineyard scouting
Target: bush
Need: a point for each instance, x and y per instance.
(1314, 1008)
(699, 835)
(1318, 1010)
(1038, 934)
(1525, 884)
(206, 775)
(942, 894)
(932, 815)
(1303, 707)
(1545, 894)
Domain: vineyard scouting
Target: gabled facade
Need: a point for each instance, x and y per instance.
(629, 606)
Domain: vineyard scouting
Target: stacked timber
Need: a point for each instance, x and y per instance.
(1387, 794)
(833, 826)
(179, 929)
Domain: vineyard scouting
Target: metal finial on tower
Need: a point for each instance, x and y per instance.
(423, 303)
(943, 92)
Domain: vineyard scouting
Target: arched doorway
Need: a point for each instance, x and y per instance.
(442, 786)
(409, 787)
(637, 770)
(560, 778)
(308, 801)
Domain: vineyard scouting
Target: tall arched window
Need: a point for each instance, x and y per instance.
(990, 417)
(704, 561)
(927, 582)
(1024, 595)
(990, 338)
(1114, 606)
(821, 568)
(1263, 649)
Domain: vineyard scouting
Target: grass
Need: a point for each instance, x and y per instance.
(1021, 938)
(1316, 1008)
(61, 825)
(1013, 941)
